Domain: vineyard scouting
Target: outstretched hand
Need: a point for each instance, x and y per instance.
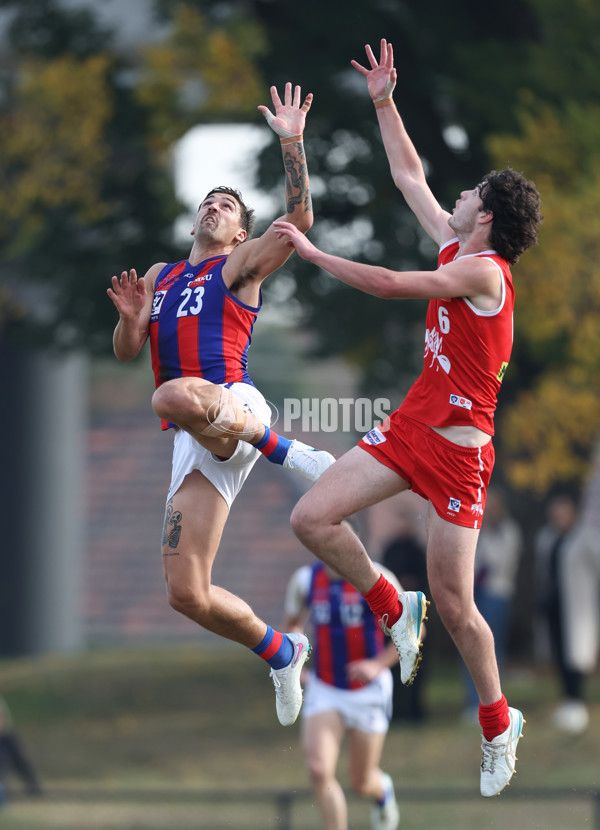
(290, 117)
(381, 77)
(294, 238)
(128, 294)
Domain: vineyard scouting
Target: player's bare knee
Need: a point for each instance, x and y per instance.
(187, 601)
(171, 401)
(452, 613)
(186, 400)
(303, 521)
(317, 774)
(309, 522)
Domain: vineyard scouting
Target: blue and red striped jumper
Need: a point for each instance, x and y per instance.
(198, 328)
(345, 628)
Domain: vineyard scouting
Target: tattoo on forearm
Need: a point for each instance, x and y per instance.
(296, 184)
(171, 530)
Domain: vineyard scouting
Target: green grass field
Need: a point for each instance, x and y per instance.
(181, 738)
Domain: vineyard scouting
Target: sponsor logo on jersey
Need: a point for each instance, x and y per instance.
(458, 400)
(374, 436)
(454, 505)
(157, 302)
(434, 343)
(199, 280)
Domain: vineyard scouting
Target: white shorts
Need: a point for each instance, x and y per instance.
(227, 476)
(368, 709)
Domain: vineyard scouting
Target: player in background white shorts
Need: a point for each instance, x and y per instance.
(343, 627)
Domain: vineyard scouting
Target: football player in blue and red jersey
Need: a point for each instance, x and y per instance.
(199, 315)
(348, 691)
(439, 441)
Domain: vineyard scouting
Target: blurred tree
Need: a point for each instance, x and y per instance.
(548, 420)
(87, 185)
(82, 197)
(553, 421)
(201, 73)
(54, 148)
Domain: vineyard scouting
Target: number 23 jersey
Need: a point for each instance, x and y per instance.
(198, 328)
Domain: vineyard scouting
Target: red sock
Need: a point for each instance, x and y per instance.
(383, 599)
(494, 719)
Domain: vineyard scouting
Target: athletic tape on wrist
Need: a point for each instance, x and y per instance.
(385, 98)
(290, 139)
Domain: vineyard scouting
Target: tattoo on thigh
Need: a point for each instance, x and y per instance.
(172, 529)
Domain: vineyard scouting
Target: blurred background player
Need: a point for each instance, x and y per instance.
(404, 555)
(348, 690)
(199, 315)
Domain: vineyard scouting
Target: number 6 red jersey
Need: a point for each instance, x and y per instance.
(467, 351)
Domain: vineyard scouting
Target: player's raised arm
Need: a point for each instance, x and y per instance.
(264, 255)
(405, 165)
(288, 122)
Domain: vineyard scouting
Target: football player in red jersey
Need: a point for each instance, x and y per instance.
(439, 442)
(199, 315)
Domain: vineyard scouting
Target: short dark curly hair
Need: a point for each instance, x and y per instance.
(515, 204)
(247, 214)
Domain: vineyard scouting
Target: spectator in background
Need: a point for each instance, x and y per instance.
(499, 550)
(581, 591)
(404, 556)
(580, 587)
(12, 756)
(552, 544)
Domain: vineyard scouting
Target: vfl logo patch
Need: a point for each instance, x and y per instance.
(454, 505)
(458, 400)
(157, 302)
(375, 436)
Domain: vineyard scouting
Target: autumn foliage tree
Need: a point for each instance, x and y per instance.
(553, 421)
(86, 166)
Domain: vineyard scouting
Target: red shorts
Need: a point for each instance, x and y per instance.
(453, 478)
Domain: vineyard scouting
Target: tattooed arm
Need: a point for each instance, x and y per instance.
(255, 259)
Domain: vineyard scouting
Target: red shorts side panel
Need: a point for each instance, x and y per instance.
(453, 478)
